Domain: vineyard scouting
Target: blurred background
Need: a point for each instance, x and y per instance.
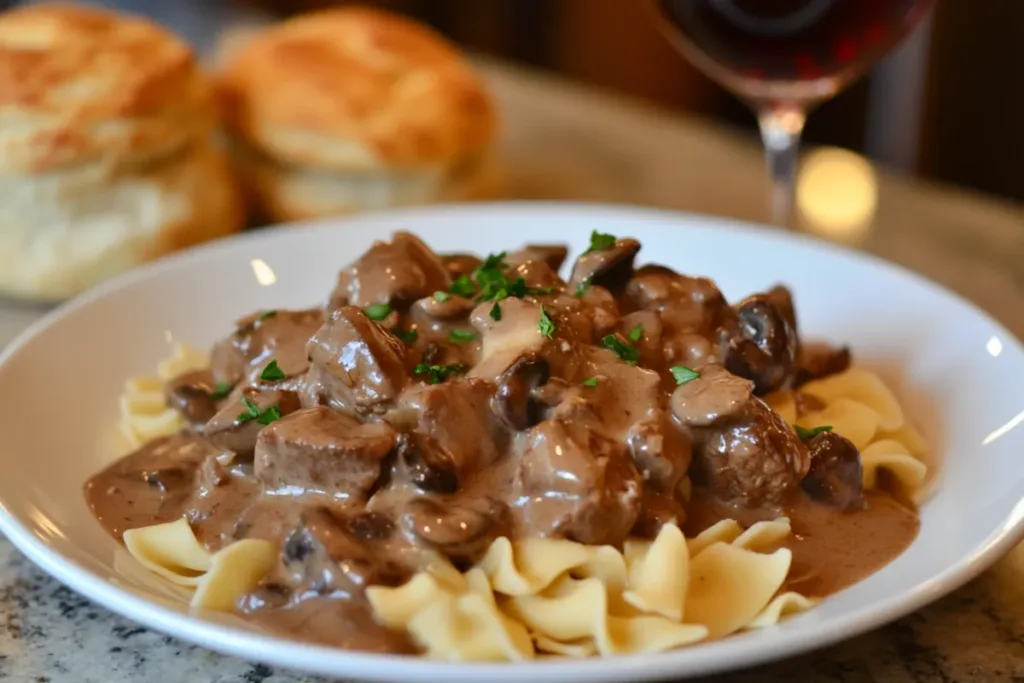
(948, 105)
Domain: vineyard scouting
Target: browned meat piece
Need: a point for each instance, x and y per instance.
(536, 274)
(743, 451)
(686, 304)
(764, 346)
(610, 268)
(460, 264)
(235, 427)
(573, 482)
(835, 477)
(661, 452)
(460, 529)
(318, 449)
(551, 254)
(191, 394)
(359, 365)
(426, 465)
(456, 417)
(262, 337)
(322, 555)
(657, 510)
(396, 272)
(817, 360)
(716, 395)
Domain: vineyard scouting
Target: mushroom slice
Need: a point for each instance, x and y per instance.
(764, 348)
(610, 268)
(514, 402)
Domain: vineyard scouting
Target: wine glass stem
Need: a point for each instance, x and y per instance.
(781, 126)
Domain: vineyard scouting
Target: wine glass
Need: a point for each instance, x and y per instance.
(785, 56)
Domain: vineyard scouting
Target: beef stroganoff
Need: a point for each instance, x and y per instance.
(475, 459)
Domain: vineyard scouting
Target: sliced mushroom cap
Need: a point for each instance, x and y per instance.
(714, 396)
(191, 394)
(234, 428)
(764, 347)
(427, 465)
(551, 254)
(610, 268)
(835, 475)
(460, 264)
(451, 308)
(514, 402)
(460, 531)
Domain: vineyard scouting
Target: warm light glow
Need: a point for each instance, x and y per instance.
(264, 273)
(994, 346)
(837, 193)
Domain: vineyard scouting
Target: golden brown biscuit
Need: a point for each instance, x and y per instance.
(106, 151)
(356, 90)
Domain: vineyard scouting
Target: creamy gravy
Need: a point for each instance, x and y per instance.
(568, 409)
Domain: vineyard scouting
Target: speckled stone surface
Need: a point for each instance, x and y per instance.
(563, 142)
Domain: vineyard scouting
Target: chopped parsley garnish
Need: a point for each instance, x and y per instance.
(621, 349)
(442, 296)
(582, 288)
(493, 262)
(221, 390)
(377, 312)
(460, 336)
(541, 290)
(252, 412)
(808, 434)
(268, 314)
(496, 312)
(546, 325)
(272, 372)
(600, 241)
(635, 333)
(683, 374)
(408, 336)
(590, 382)
(463, 286)
(438, 373)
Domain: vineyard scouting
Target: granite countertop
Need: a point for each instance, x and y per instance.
(564, 142)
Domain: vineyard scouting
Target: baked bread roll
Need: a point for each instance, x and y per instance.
(107, 152)
(354, 108)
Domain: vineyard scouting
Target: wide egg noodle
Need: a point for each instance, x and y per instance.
(576, 649)
(220, 579)
(723, 531)
(658, 578)
(145, 414)
(862, 386)
(892, 456)
(395, 607)
(763, 536)
(911, 439)
(782, 606)
(529, 566)
(729, 586)
(572, 610)
(849, 418)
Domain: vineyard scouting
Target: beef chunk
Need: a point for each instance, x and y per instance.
(714, 396)
(573, 482)
(835, 476)
(318, 449)
(359, 365)
(752, 458)
(396, 272)
(686, 304)
(235, 427)
(262, 337)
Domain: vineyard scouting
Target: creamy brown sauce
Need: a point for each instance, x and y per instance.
(368, 448)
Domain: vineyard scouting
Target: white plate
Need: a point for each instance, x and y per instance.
(60, 382)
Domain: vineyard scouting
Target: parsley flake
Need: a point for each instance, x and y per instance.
(599, 241)
(377, 312)
(272, 372)
(582, 288)
(590, 382)
(683, 374)
(461, 336)
(252, 412)
(463, 286)
(635, 333)
(221, 390)
(496, 312)
(442, 296)
(435, 374)
(269, 415)
(408, 336)
(264, 316)
(621, 349)
(807, 434)
(546, 325)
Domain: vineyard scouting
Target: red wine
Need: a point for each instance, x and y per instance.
(792, 40)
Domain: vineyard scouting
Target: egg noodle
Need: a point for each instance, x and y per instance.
(538, 597)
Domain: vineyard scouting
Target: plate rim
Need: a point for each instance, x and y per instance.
(323, 660)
